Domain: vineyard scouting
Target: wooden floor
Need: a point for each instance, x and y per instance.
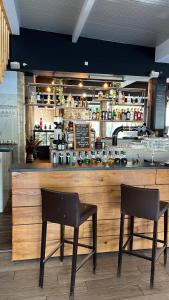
(19, 280)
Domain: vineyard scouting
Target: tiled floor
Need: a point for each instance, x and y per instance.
(19, 280)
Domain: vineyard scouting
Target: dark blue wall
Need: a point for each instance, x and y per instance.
(55, 52)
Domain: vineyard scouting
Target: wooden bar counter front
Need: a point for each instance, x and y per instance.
(99, 186)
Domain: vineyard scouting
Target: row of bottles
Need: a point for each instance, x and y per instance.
(99, 159)
(120, 98)
(128, 114)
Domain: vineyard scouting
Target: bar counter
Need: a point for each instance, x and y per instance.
(97, 185)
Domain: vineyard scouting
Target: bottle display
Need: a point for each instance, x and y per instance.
(123, 158)
(110, 159)
(98, 158)
(60, 158)
(67, 158)
(74, 159)
(104, 159)
(86, 159)
(93, 158)
(117, 158)
(80, 159)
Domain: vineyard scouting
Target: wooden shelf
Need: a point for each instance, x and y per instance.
(112, 121)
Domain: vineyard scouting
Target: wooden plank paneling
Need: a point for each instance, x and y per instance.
(4, 40)
(162, 177)
(82, 178)
(27, 197)
(32, 215)
(98, 187)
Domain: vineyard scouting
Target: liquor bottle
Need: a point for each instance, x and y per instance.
(128, 115)
(45, 127)
(67, 158)
(38, 96)
(86, 158)
(93, 158)
(94, 115)
(131, 115)
(106, 115)
(123, 115)
(97, 114)
(129, 99)
(123, 158)
(41, 124)
(50, 126)
(109, 115)
(113, 114)
(135, 114)
(59, 143)
(80, 159)
(110, 159)
(138, 115)
(104, 159)
(123, 99)
(120, 97)
(74, 159)
(141, 114)
(90, 114)
(54, 158)
(117, 158)
(60, 158)
(98, 158)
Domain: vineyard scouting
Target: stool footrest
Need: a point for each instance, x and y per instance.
(146, 237)
(79, 244)
(85, 260)
(52, 252)
(136, 254)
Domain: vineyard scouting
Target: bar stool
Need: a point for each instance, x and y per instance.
(142, 203)
(65, 209)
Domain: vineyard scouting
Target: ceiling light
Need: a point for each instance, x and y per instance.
(80, 84)
(105, 85)
(48, 89)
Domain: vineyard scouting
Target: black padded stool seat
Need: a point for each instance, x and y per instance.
(65, 209)
(142, 203)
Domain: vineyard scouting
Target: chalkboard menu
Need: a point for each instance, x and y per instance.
(82, 136)
(159, 105)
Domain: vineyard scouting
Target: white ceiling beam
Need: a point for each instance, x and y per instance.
(84, 13)
(10, 9)
(162, 52)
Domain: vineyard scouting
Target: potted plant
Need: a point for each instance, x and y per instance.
(31, 146)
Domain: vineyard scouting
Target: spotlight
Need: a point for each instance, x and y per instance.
(48, 89)
(80, 84)
(105, 85)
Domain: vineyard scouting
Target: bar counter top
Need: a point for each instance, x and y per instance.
(48, 167)
(6, 147)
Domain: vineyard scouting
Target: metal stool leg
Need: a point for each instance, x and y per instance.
(94, 222)
(131, 232)
(42, 256)
(74, 261)
(62, 229)
(120, 245)
(153, 254)
(165, 235)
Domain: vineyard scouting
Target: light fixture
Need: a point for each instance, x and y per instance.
(105, 85)
(48, 89)
(80, 84)
(84, 95)
(53, 82)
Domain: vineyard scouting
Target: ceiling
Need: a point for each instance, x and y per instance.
(140, 22)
